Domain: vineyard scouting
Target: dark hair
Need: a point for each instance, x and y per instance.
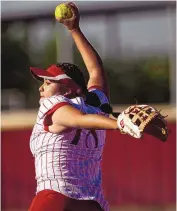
(92, 99)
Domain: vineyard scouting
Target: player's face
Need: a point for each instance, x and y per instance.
(50, 88)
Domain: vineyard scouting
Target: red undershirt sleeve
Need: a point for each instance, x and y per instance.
(51, 111)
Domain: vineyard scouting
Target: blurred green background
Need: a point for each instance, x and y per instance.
(135, 41)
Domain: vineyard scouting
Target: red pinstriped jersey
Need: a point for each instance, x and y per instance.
(69, 162)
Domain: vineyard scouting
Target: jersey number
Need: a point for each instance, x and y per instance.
(78, 135)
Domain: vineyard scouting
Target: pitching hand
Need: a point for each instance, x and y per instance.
(73, 22)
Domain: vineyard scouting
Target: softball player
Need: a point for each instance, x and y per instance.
(68, 138)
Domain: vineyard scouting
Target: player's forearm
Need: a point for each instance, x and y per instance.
(92, 121)
(91, 58)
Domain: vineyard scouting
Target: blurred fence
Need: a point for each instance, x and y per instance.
(137, 174)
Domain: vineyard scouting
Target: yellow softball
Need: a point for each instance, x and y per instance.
(63, 11)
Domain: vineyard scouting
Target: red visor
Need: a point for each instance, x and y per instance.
(52, 73)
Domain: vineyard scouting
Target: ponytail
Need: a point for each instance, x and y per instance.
(93, 100)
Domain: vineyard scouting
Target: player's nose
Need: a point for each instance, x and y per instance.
(41, 88)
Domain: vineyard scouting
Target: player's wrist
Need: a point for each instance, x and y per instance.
(75, 29)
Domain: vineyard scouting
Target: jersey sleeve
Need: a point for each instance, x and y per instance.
(101, 95)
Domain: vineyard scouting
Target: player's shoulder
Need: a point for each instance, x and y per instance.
(55, 100)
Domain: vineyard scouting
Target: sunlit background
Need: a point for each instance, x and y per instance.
(137, 43)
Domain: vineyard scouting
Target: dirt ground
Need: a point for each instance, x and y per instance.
(144, 208)
(130, 208)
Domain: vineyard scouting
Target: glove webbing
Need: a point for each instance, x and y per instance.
(142, 116)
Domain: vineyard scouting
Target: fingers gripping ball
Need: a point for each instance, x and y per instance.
(63, 11)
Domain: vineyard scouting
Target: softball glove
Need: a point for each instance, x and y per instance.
(139, 119)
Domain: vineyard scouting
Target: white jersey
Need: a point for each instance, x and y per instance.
(69, 163)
